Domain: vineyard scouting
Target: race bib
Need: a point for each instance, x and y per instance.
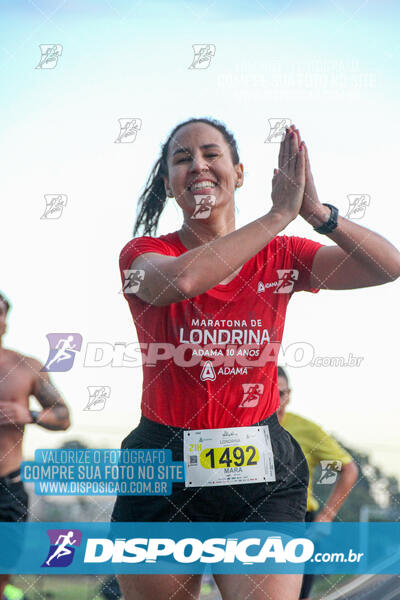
(230, 456)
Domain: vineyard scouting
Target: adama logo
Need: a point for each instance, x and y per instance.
(207, 372)
(264, 286)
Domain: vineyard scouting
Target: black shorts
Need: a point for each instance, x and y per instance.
(13, 500)
(281, 500)
(13, 509)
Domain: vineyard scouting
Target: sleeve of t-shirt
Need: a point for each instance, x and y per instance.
(139, 246)
(302, 252)
(327, 448)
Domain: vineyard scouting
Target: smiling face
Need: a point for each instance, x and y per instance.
(200, 162)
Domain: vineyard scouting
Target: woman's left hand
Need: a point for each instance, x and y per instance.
(360, 258)
(311, 209)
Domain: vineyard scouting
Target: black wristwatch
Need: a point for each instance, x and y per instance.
(331, 223)
(34, 415)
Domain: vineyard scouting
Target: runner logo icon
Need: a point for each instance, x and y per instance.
(98, 395)
(204, 204)
(132, 280)
(358, 204)
(329, 471)
(55, 204)
(62, 547)
(50, 53)
(252, 393)
(128, 129)
(287, 278)
(277, 129)
(203, 54)
(62, 351)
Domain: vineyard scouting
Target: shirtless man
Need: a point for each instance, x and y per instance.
(20, 377)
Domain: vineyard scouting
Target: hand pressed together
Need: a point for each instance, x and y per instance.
(288, 182)
(294, 167)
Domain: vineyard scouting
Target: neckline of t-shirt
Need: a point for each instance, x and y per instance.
(237, 282)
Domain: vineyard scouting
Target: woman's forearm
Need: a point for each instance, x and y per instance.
(366, 257)
(369, 248)
(206, 266)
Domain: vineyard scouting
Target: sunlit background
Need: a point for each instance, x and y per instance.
(330, 67)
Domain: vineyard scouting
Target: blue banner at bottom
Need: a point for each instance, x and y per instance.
(100, 548)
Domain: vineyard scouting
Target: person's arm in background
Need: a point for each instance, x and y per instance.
(343, 486)
(55, 413)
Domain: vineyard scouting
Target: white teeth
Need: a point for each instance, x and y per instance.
(202, 185)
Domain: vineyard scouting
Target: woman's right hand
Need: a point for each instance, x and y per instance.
(289, 180)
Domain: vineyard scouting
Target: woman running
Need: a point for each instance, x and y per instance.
(209, 307)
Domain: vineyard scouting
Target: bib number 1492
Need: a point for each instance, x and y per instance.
(232, 456)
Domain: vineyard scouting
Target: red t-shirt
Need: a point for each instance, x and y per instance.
(210, 361)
